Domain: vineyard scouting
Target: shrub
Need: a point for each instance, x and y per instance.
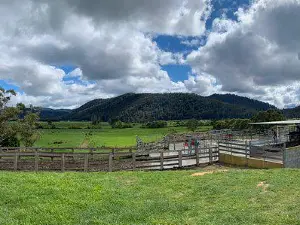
(235, 124)
(10, 142)
(74, 127)
(155, 124)
(192, 125)
(120, 125)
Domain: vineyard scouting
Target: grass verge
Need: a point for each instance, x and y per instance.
(173, 197)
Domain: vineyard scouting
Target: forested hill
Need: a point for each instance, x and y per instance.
(171, 106)
(242, 101)
(292, 113)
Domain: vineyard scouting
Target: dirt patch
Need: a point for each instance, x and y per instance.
(207, 172)
(263, 185)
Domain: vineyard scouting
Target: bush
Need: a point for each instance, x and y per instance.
(192, 125)
(235, 124)
(74, 127)
(155, 124)
(120, 125)
(10, 142)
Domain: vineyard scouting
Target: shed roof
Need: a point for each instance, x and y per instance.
(286, 122)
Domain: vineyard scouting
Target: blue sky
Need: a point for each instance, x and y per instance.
(174, 43)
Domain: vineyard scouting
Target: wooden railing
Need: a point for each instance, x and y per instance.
(101, 159)
(266, 153)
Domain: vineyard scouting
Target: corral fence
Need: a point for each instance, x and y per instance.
(102, 159)
(262, 155)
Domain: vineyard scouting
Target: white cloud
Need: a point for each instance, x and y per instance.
(75, 73)
(192, 43)
(108, 42)
(110, 45)
(203, 84)
(258, 54)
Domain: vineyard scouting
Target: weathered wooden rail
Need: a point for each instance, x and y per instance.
(100, 159)
(116, 159)
(245, 154)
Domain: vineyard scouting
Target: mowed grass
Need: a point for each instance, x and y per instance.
(106, 136)
(173, 197)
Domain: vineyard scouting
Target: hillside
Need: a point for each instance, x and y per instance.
(170, 106)
(292, 113)
(242, 101)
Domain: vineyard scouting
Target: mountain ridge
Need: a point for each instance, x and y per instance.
(144, 107)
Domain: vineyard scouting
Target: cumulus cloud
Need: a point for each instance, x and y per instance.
(257, 55)
(108, 42)
(110, 45)
(192, 43)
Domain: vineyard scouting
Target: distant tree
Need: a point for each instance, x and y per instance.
(192, 125)
(120, 125)
(8, 131)
(27, 129)
(51, 125)
(268, 116)
(155, 124)
(22, 127)
(234, 124)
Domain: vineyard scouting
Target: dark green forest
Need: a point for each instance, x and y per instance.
(169, 106)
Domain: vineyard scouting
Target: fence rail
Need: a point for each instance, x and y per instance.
(101, 159)
(247, 150)
(116, 159)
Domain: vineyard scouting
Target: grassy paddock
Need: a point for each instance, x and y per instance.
(232, 197)
(106, 136)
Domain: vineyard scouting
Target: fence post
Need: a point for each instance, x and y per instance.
(210, 155)
(110, 162)
(86, 162)
(218, 149)
(19, 151)
(63, 162)
(231, 153)
(197, 155)
(52, 150)
(284, 155)
(264, 158)
(246, 153)
(92, 153)
(161, 161)
(36, 161)
(174, 144)
(16, 161)
(180, 159)
(113, 153)
(133, 161)
(73, 153)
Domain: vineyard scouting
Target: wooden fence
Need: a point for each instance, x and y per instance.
(101, 159)
(118, 159)
(248, 151)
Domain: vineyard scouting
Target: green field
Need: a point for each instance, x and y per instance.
(65, 136)
(174, 197)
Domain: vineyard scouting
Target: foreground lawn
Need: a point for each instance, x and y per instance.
(103, 137)
(176, 197)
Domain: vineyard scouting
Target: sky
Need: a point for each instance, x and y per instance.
(63, 53)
